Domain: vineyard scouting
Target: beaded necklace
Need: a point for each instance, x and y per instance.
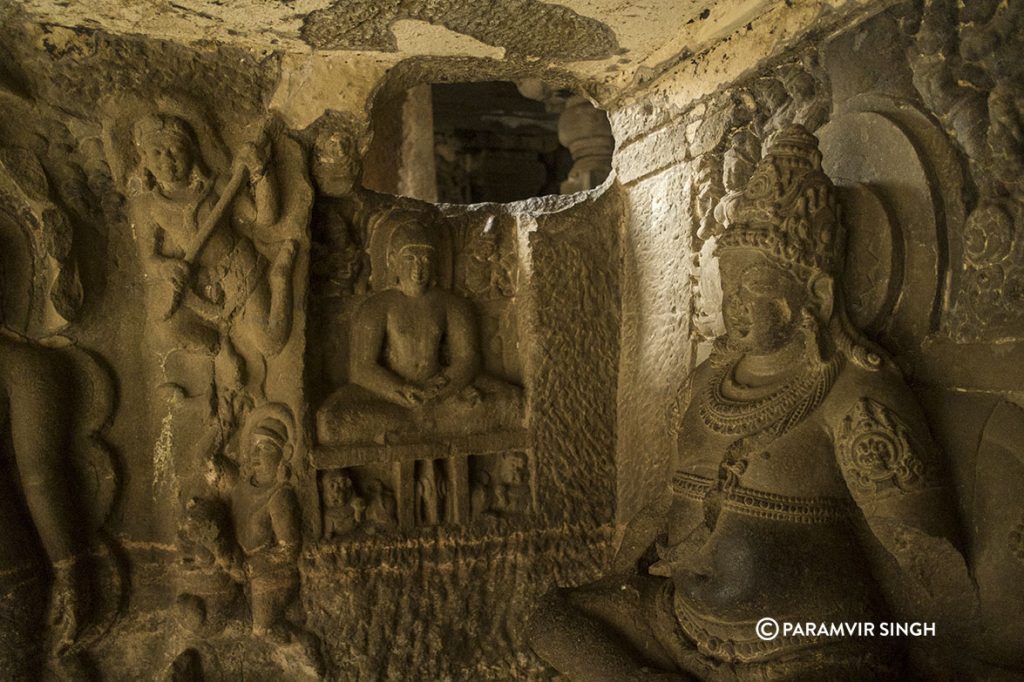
(757, 421)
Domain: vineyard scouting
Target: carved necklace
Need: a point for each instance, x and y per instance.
(757, 421)
(779, 410)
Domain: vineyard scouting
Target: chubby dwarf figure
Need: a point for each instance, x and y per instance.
(266, 517)
(805, 489)
(415, 357)
(263, 551)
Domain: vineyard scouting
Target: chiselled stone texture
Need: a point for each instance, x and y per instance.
(365, 25)
(781, 439)
(967, 69)
(574, 312)
(260, 423)
(472, 627)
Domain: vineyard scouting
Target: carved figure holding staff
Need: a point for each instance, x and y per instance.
(206, 283)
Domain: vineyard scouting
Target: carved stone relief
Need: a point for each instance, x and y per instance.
(49, 294)
(59, 481)
(791, 387)
(358, 437)
(967, 70)
(727, 146)
(248, 535)
(220, 242)
(404, 389)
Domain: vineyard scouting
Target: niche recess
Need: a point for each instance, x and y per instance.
(493, 141)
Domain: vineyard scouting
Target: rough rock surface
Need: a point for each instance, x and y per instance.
(217, 528)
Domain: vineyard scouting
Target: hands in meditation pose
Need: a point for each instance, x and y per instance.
(415, 360)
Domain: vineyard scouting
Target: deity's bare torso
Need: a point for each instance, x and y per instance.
(226, 269)
(414, 331)
(739, 524)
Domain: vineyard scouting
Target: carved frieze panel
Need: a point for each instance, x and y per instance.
(967, 69)
(501, 486)
(43, 291)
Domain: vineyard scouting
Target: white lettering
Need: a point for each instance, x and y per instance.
(856, 629)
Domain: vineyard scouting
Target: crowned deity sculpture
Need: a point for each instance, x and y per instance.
(806, 486)
(415, 362)
(208, 288)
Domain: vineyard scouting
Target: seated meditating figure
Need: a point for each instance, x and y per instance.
(415, 364)
(805, 487)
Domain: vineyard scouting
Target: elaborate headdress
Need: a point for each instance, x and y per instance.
(788, 208)
(788, 211)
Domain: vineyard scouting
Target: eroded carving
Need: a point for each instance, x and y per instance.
(357, 501)
(58, 484)
(249, 535)
(415, 363)
(26, 195)
(206, 282)
(500, 486)
(784, 432)
(344, 508)
(967, 71)
(1016, 542)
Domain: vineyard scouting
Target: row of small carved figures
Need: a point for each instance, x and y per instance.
(356, 503)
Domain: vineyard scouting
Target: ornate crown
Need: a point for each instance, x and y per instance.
(787, 209)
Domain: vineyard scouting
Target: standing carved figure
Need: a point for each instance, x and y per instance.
(252, 535)
(208, 289)
(431, 493)
(802, 457)
(40, 512)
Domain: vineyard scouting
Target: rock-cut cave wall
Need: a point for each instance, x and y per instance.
(199, 297)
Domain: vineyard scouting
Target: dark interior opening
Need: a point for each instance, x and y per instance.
(468, 143)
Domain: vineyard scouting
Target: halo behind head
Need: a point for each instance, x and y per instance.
(162, 125)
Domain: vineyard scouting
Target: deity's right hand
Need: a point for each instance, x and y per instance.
(253, 157)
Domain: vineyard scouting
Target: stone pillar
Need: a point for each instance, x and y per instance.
(417, 174)
(585, 131)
